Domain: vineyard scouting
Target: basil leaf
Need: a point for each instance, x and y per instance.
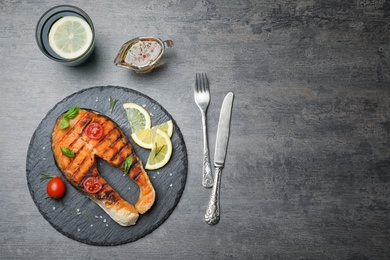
(64, 123)
(67, 152)
(128, 163)
(72, 112)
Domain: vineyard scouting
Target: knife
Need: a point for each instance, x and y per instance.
(212, 212)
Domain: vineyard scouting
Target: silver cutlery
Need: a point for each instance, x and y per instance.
(213, 213)
(202, 99)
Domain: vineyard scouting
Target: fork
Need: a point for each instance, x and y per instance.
(202, 99)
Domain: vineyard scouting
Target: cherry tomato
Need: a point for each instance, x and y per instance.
(56, 188)
(94, 130)
(92, 185)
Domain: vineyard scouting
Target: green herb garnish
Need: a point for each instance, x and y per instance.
(112, 103)
(46, 176)
(64, 123)
(128, 163)
(158, 150)
(78, 212)
(57, 200)
(67, 152)
(72, 113)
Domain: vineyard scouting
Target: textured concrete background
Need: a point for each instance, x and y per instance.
(308, 166)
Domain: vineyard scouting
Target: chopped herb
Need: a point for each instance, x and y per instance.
(158, 150)
(128, 163)
(67, 152)
(112, 103)
(78, 212)
(57, 200)
(46, 176)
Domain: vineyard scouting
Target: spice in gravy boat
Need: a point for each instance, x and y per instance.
(141, 54)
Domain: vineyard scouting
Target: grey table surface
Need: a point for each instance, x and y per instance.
(308, 165)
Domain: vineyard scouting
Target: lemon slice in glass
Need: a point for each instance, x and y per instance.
(161, 152)
(70, 37)
(167, 127)
(138, 117)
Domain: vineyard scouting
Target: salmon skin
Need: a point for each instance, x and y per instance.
(112, 147)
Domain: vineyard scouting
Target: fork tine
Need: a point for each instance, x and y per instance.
(203, 82)
(206, 83)
(199, 80)
(196, 82)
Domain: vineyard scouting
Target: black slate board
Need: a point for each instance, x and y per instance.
(78, 217)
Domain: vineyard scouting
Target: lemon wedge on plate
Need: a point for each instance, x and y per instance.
(138, 117)
(70, 37)
(167, 127)
(161, 152)
(146, 137)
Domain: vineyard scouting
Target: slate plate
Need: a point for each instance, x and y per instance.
(78, 217)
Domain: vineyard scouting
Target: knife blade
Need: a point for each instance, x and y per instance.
(212, 215)
(223, 131)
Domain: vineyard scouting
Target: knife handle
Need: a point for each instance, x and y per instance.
(212, 213)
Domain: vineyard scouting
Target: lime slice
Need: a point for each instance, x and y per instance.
(161, 152)
(144, 138)
(70, 37)
(138, 117)
(167, 127)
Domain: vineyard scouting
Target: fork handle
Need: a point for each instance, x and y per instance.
(207, 178)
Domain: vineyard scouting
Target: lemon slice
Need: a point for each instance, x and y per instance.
(70, 37)
(144, 138)
(161, 152)
(167, 127)
(138, 117)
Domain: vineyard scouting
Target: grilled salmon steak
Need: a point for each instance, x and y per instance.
(76, 144)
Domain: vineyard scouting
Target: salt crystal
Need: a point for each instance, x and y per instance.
(170, 185)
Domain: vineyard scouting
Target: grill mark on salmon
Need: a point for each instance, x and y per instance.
(112, 147)
(72, 127)
(106, 137)
(118, 155)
